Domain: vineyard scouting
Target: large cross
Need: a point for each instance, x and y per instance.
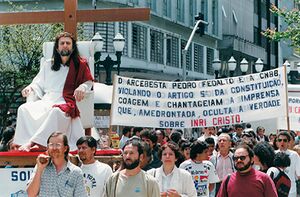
(71, 16)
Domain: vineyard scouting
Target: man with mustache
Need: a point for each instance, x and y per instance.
(54, 174)
(58, 85)
(95, 173)
(246, 181)
(132, 180)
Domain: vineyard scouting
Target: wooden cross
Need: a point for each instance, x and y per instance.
(71, 16)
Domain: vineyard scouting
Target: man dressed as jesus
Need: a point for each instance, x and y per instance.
(58, 85)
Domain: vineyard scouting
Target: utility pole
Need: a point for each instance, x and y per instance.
(199, 24)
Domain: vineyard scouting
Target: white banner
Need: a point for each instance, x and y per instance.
(191, 104)
(14, 181)
(294, 115)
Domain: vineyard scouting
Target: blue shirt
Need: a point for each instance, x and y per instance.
(67, 183)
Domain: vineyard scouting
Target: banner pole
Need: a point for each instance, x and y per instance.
(111, 111)
(286, 98)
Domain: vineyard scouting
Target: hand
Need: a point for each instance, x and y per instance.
(173, 193)
(26, 91)
(42, 161)
(163, 194)
(79, 93)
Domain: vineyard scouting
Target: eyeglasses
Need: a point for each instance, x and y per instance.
(280, 140)
(242, 158)
(57, 145)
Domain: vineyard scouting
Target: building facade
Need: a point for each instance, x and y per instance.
(153, 48)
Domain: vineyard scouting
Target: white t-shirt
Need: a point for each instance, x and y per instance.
(95, 176)
(293, 171)
(203, 174)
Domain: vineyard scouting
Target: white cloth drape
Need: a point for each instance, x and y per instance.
(37, 120)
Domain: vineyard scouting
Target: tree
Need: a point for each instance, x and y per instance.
(292, 19)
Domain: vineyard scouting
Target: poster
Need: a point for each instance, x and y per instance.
(294, 115)
(14, 181)
(192, 104)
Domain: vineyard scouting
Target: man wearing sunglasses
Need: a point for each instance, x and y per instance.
(293, 171)
(246, 181)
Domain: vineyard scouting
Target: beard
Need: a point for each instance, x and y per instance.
(65, 52)
(243, 168)
(130, 166)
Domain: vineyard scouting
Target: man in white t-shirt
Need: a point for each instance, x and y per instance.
(95, 173)
(293, 170)
(203, 172)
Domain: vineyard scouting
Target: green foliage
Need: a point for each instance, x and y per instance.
(20, 54)
(292, 32)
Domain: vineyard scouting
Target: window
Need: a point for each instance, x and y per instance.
(215, 17)
(264, 9)
(210, 58)
(156, 46)
(192, 12)
(204, 10)
(257, 36)
(123, 28)
(107, 32)
(188, 55)
(153, 5)
(139, 42)
(172, 51)
(180, 10)
(256, 8)
(198, 58)
(167, 8)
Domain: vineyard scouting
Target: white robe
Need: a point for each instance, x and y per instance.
(38, 119)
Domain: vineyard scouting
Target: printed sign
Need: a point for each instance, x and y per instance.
(191, 104)
(294, 115)
(14, 181)
(101, 121)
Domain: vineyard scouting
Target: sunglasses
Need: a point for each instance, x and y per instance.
(242, 158)
(280, 140)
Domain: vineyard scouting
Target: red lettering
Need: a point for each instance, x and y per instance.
(198, 123)
(297, 110)
(226, 120)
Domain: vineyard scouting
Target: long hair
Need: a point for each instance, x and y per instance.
(56, 56)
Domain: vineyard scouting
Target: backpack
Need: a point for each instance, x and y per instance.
(282, 183)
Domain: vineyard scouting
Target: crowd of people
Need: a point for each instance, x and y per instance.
(247, 156)
(172, 166)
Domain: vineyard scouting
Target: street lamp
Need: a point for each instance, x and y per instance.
(216, 64)
(231, 66)
(292, 74)
(244, 66)
(108, 63)
(259, 65)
